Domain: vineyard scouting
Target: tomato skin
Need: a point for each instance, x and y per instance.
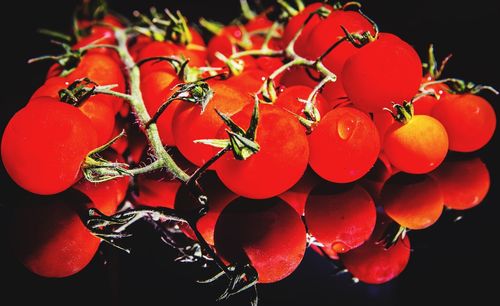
(383, 120)
(249, 81)
(277, 166)
(106, 196)
(371, 263)
(274, 248)
(156, 88)
(340, 217)
(298, 76)
(425, 104)
(60, 135)
(297, 195)
(96, 108)
(418, 146)
(190, 124)
(464, 183)
(413, 201)
(288, 99)
(383, 71)
(470, 121)
(344, 145)
(49, 238)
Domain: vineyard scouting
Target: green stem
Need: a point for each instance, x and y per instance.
(137, 103)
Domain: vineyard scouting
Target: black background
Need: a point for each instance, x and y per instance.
(450, 261)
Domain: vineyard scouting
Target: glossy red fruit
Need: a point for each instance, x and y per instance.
(344, 145)
(425, 104)
(297, 195)
(470, 121)
(298, 76)
(44, 145)
(49, 238)
(274, 248)
(372, 263)
(464, 183)
(413, 201)
(292, 99)
(340, 217)
(383, 71)
(192, 124)
(277, 166)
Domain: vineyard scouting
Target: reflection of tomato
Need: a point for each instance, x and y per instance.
(49, 238)
(267, 233)
(413, 201)
(340, 217)
(297, 195)
(372, 263)
(464, 183)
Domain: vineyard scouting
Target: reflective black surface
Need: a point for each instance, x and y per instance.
(450, 260)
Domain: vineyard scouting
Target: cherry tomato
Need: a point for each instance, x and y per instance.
(340, 217)
(417, 147)
(297, 195)
(425, 104)
(372, 263)
(191, 124)
(383, 120)
(413, 201)
(277, 166)
(292, 99)
(464, 183)
(44, 145)
(344, 145)
(49, 238)
(383, 71)
(156, 88)
(298, 76)
(106, 196)
(470, 121)
(274, 248)
(99, 110)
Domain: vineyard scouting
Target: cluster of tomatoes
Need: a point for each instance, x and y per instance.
(328, 156)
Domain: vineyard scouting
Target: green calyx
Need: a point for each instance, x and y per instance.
(242, 143)
(458, 86)
(198, 92)
(346, 6)
(67, 61)
(164, 27)
(78, 92)
(402, 113)
(431, 66)
(92, 10)
(392, 235)
(289, 10)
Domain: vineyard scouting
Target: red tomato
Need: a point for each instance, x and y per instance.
(417, 147)
(99, 35)
(383, 71)
(44, 145)
(425, 104)
(413, 201)
(99, 110)
(340, 217)
(296, 22)
(249, 81)
(191, 124)
(223, 42)
(470, 121)
(372, 263)
(277, 166)
(464, 183)
(297, 195)
(383, 120)
(274, 248)
(344, 145)
(106, 196)
(297, 75)
(156, 88)
(289, 100)
(49, 238)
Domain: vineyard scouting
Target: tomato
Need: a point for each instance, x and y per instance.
(383, 120)
(413, 201)
(49, 238)
(277, 166)
(296, 22)
(372, 263)
(274, 248)
(99, 35)
(374, 180)
(464, 183)
(44, 145)
(156, 88)
(470, 121)
(344, 145)
(297, 195)
(383, 71)
(96, 108)
(197, 58)
(425, 104)
(340, 217)
(417, 147)
(191, 124)
(289, 100)
(223, 42)
(218, 198)
(297, 75)
(102, 70)
(249, 81)
(106, 196)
